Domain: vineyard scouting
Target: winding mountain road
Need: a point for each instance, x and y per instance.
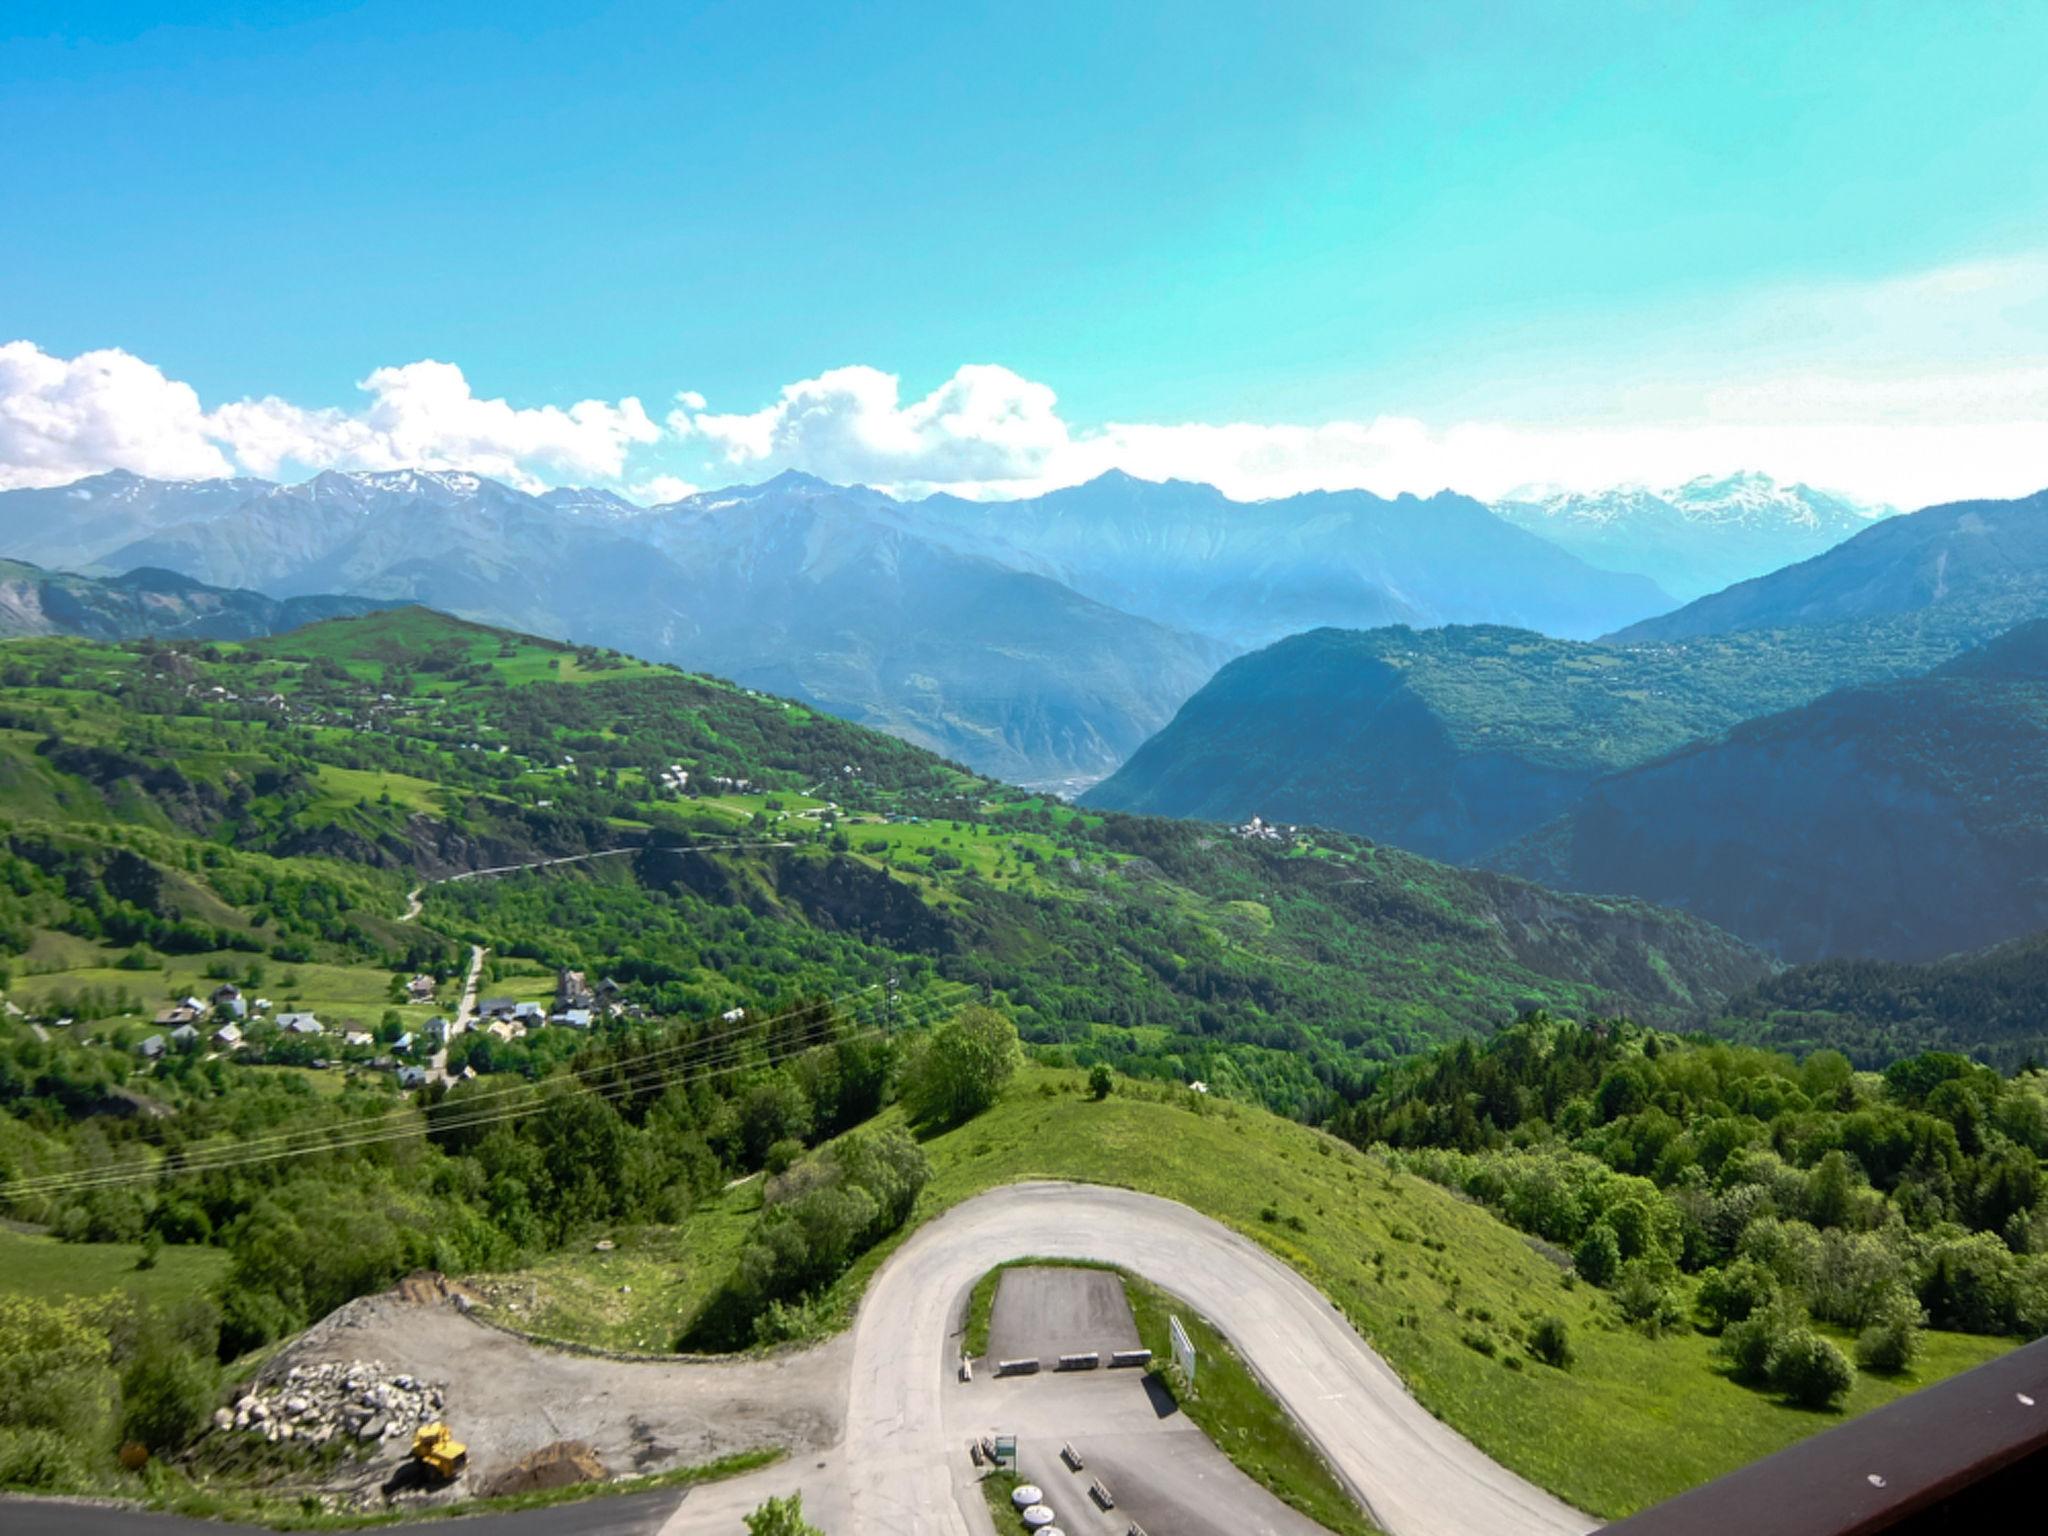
(902, 1468)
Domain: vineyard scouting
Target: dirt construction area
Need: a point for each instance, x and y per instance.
(506, 1398)
(1043, 1313)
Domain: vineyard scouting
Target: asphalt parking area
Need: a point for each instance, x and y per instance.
(1043, 1312)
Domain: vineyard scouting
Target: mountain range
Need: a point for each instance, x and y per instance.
(1874, 802)
(1698, 537)
(148, 602)
(1040, 641)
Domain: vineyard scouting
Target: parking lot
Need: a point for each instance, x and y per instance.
(1129, 1434)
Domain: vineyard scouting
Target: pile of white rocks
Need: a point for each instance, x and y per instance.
(364, 1401)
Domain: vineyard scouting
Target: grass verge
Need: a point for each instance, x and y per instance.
(305, 1514)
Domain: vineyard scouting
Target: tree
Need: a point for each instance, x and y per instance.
(962, 1068)
(781, 1517)
(1735, 1293)
(1100, 1082)
(1598, 1257)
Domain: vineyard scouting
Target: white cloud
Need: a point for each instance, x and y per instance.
(989, 433)
(657, 489)
(64, 418)
(985, 426)
(424, 415)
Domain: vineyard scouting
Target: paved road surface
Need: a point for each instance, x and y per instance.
(901, 1469)
(1415, 1475)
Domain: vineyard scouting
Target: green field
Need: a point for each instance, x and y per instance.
(1418, 1271)
(41, 1266)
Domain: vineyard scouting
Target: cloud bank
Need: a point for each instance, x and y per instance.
(1907, 389)
(63, 418)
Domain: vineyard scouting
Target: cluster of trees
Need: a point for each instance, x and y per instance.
(1773, 1194)
(1992, 1005)
(81, 1379)
(634, 1129)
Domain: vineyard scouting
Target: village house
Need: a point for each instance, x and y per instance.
(412, 1077)
(435, 1030)
(358, 1038)
(227, 1037)
(185, 1037)
(300, 1024)
(151, 1049)
(178, 1015)
(572, 991)
(496, 1007)
(421, 988)
(571, 1018)
(506, 1029)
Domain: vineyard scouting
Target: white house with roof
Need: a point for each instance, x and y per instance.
(227, 1037)
(300, 1024)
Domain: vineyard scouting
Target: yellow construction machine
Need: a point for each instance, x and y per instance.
(435, 1449)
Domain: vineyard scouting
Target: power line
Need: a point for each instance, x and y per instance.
(470, 1114)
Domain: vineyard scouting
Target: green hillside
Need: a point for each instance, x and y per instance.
(1454, 741)
(1901, 821)
(274, 801)
(1992, 1006)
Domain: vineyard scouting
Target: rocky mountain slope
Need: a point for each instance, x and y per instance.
(1249, 573)
(1969, 569)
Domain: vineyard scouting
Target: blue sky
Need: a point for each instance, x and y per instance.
(1518, 219)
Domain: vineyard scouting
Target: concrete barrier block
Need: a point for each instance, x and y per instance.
(1071, 1456)
(1016, 1367)
(1131, 1357)
(1087, 1362)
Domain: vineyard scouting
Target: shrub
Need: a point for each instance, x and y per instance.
(1892, 1340)
(1100, 1082)
(781, 1155)
(40, 1460)
(167, 1395)
(1550, 1341)
(1646, 1300)
(1810, 1370)
(1746, 1347)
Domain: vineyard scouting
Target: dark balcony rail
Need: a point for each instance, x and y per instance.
(1966, 1455)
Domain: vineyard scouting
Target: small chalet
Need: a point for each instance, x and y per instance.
(151, 1049)
(421, 989)
(300, 1024)
(227, 1037)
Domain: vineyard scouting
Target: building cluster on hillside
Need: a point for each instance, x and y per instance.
(1258, 829)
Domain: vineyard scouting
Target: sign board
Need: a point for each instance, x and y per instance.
(1006, 1450)
(1183, 1349)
